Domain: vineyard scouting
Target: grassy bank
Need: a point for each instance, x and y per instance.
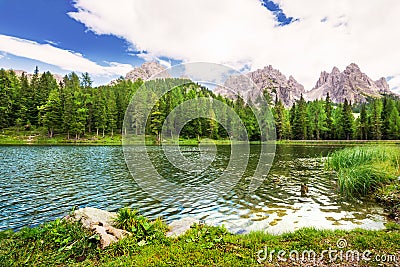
(62, 243)
(39, 136)
(369, 171)
(339, 142)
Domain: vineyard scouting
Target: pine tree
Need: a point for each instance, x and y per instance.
(390, 120)
(279, 116)
(112, 115)
(156, 122)
(25, 101)
(86, 81)
(71, 102)
(300, 120)
(33, 102)
(5, 99)
(50, 113)
(363, 128)
(329, 118)
(45, 85)
(347, 120)
(375, 119)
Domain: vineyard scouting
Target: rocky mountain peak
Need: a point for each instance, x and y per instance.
(335, 70)
(353, 67)
(268, 78)
(383, 86)
(147, 70)
(351, 84)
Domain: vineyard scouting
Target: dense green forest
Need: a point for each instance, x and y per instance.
(75, 108)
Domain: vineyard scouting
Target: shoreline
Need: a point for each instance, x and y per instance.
(66, 242)
(117, 141)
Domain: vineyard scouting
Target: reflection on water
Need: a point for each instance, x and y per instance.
(41, 183)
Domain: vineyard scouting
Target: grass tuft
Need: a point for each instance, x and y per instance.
(142, 228)
(362, 170)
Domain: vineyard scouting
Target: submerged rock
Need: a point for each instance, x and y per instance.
(101, 222)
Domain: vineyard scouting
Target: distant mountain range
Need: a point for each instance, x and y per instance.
(351, 84)
(57, 77)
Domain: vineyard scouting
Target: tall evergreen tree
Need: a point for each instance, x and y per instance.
(363, 125)
(5, 99)
(347, 120)
(375, 119)
(329, 118)
(390, 119)
(300, 120)
(279, 116)
(111, 111)
(51, 112)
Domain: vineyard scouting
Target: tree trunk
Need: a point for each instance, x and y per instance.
(103, 132)
(97, 131)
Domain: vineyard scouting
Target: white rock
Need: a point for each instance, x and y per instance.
(100, 222)
(180, 227)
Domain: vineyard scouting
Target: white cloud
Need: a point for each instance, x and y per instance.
(394, 83)
(152, 57)
(64, 59)
(328, 33)
(51, 42)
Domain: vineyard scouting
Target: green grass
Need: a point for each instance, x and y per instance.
(62, 243)
(142, 229)
(38, 136)
(338, 142)
(363, 170)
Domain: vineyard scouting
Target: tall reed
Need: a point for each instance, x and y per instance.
(361, 170)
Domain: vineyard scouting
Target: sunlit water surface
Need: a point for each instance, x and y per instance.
(41, 183)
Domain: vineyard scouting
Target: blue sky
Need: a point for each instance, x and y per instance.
(47, 22)
(108, 38)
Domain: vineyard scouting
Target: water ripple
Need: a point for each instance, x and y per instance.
(41, 183)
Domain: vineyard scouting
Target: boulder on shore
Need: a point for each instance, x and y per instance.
(101, 222)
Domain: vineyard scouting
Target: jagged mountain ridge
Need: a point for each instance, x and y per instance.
(268, 78)
(351, 84)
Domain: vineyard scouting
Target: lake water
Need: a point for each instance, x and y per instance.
(41, 183)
